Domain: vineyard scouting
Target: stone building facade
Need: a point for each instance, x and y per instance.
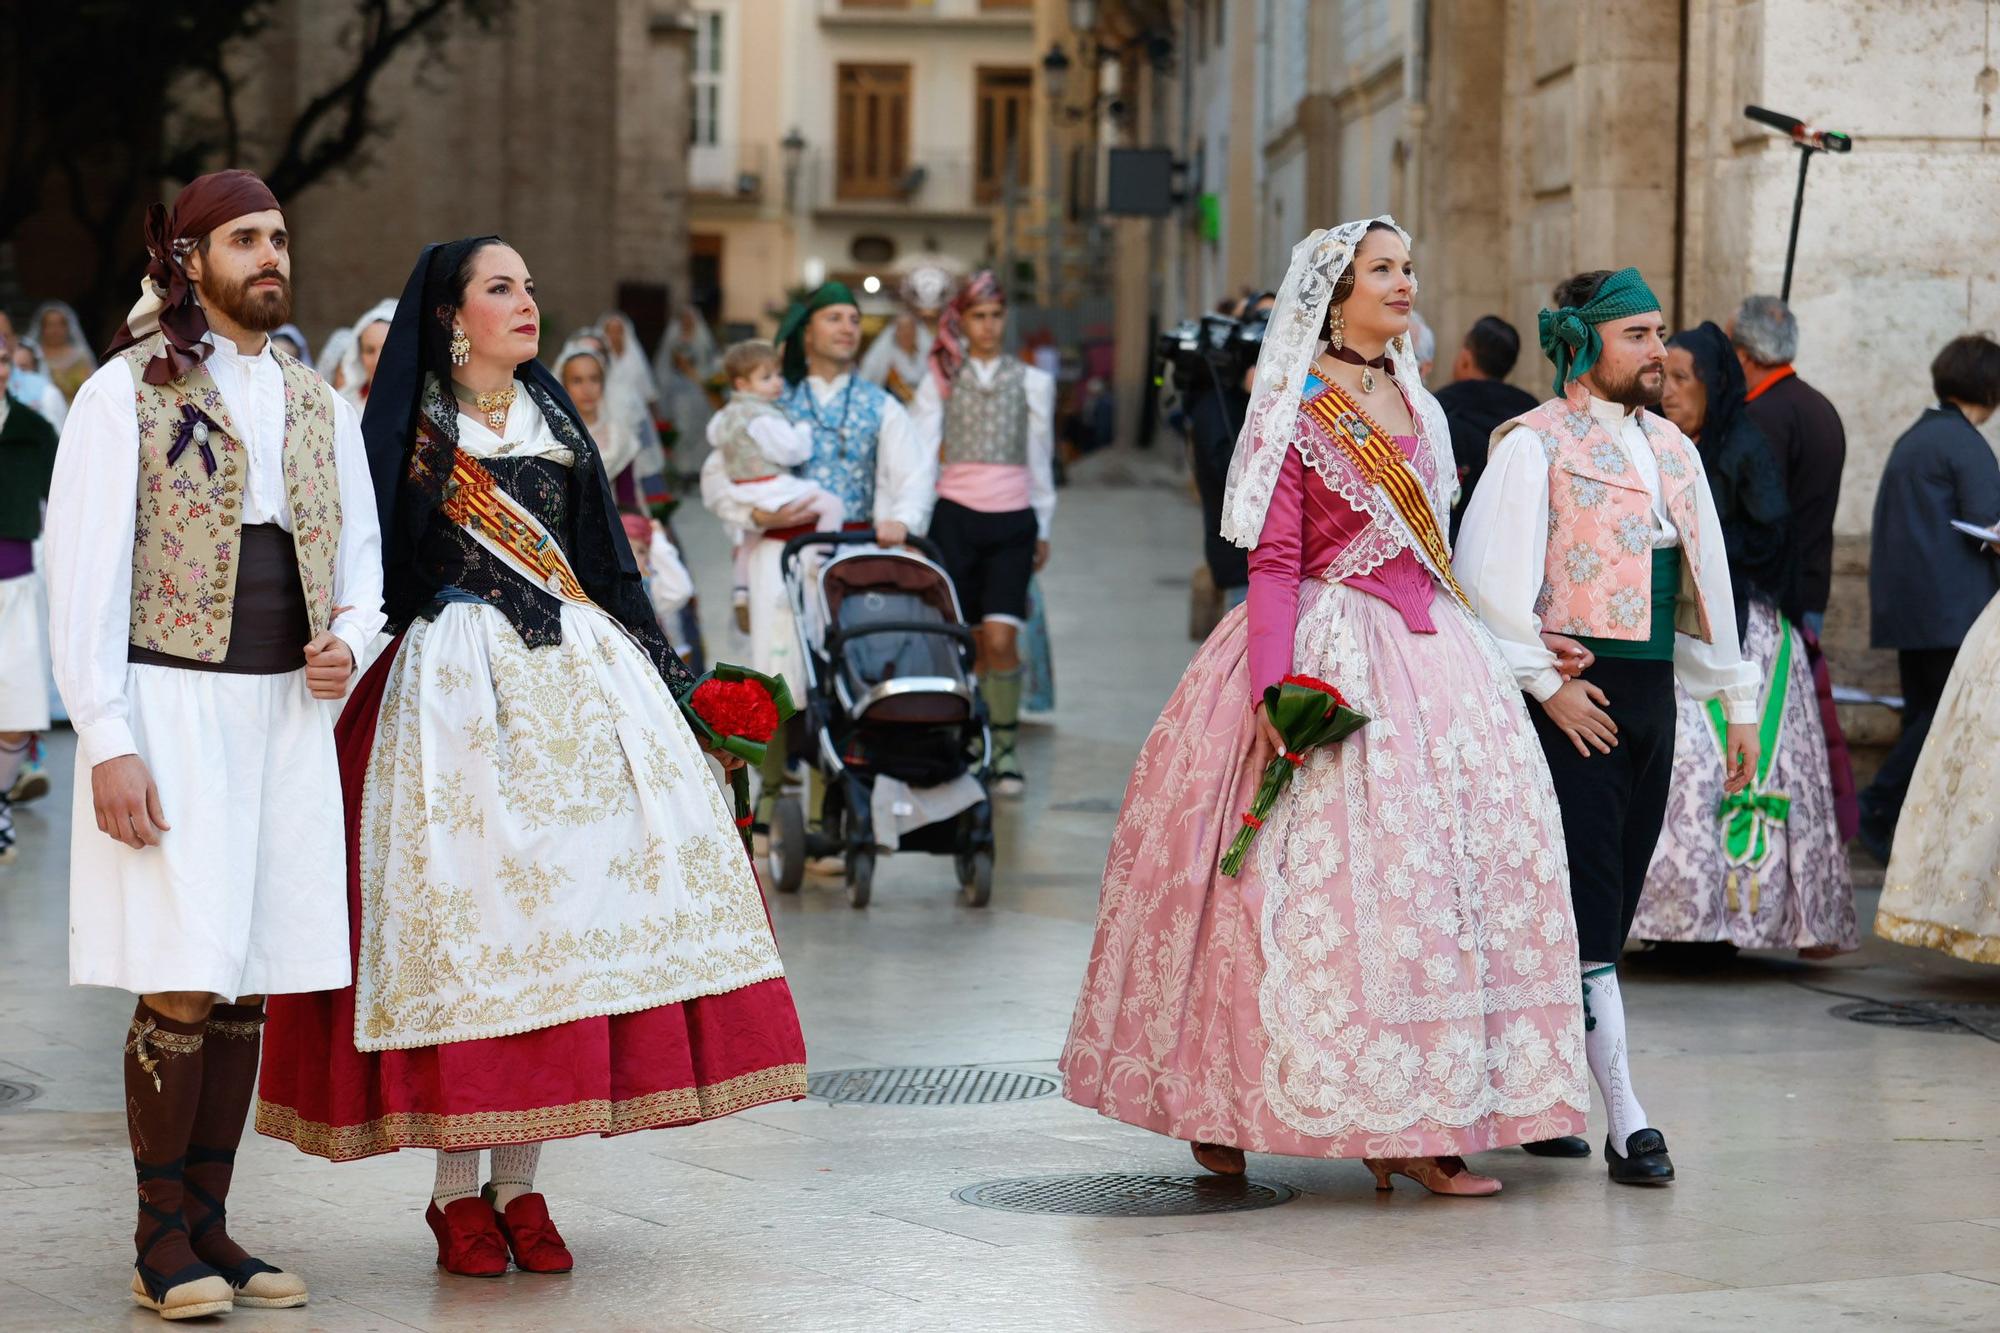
(563, 129)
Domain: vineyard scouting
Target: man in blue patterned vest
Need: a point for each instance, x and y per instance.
(864, 451)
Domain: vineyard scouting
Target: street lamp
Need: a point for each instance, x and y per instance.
(1055, 74)
(793, 146)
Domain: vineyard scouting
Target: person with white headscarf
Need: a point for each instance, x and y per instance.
(363, 348)
(332, 352)
(688, 358)
(1393, 975)
(65, 352)
(585, 375)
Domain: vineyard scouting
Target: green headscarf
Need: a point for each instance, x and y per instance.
(792, 328)
(1569, 335)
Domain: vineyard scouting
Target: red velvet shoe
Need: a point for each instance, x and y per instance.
(469, 1239)
(536, 1244)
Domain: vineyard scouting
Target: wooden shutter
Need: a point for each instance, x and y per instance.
(1001, 121)
(873, 130)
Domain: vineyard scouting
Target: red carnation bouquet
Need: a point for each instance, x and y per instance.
(737, 710)
(1307, 713)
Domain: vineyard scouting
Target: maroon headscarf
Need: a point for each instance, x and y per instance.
(948, 352)
(166, 297)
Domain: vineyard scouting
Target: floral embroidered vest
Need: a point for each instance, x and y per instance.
(844, 439)
(987, 423)
(190, 519)
(1598, 576)
(742, 457)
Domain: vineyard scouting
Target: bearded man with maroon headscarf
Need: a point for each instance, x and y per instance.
(214, 572)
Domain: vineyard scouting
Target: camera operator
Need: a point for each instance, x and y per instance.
(1215, 395)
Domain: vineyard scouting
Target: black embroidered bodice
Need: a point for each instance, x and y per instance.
(571, 502)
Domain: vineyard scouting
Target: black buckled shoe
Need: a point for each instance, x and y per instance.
(1645, 1161)
(1569, 1145)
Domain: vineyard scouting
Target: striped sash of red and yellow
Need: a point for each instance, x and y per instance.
(1373, 451)
(475, 501)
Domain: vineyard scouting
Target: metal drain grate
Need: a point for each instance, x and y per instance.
(13, 1094)
(1970, 1017)
(1127, 1196)
(1089, 805)
(928, 1085)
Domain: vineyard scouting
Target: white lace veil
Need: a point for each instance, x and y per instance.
(1291, 343)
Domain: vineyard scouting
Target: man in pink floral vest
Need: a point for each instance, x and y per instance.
(1592, 551)
(214, 574)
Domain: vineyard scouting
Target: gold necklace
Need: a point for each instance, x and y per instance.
(492, 405)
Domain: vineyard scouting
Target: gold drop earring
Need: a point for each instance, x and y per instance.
(461, 346)
(1337, 330)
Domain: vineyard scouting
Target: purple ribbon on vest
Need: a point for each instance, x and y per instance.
(195, 429)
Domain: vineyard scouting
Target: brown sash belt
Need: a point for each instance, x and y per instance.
(269, 626)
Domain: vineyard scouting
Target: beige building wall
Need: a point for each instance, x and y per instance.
(783, 58)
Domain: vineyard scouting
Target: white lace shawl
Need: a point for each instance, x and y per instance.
(1272, 427)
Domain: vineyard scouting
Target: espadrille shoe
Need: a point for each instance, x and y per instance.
(190, 1300)
(269, 1289)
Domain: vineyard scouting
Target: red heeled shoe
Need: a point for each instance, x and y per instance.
(1219, 1158)
(469, 1240)
(532, 1238)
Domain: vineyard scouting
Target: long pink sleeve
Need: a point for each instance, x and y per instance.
(1275, 572)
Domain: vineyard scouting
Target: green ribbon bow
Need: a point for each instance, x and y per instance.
(1569, 335)
(1746, 814)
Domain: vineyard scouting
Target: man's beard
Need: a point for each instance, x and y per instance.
(1635, 391)
(261, 310)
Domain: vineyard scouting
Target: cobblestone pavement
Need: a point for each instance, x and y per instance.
(1831, 1172)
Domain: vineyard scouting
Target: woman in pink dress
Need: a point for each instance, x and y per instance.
(1393, 975)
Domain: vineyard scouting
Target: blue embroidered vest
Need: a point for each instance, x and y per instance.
(844, 432)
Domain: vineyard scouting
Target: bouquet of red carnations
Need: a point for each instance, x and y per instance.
(738, 711)
(1307, 713)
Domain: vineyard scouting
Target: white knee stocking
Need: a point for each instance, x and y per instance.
(514, 1172)
(457, 1177)
(1604, 1046)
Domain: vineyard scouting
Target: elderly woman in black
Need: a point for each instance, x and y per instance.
(1764, 868)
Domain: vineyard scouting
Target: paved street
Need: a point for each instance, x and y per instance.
(1831, 1172)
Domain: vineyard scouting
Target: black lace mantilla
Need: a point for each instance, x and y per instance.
(572, 503)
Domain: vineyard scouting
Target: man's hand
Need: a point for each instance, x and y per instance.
(127, 802)
(1741, 750)
(1572, 658)
(888, 532)
(1578, 710)
(1041, 556)
(794, 515)
(329, 663)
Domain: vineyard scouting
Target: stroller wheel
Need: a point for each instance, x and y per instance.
(975, 878)
(860, 878)
(788, 845)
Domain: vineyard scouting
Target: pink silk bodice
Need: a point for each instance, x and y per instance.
(1305, 530)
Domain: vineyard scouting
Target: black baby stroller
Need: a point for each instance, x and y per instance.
(888, 694)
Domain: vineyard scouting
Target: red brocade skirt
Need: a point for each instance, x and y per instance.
(677, 1064)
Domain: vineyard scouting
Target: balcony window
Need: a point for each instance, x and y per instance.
(872, 151)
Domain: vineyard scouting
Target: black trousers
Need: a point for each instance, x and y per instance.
(1613, 804)
(1923, 672)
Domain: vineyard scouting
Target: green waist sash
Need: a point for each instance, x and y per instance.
(1658, 646)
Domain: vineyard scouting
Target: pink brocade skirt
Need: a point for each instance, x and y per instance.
(1395, 971)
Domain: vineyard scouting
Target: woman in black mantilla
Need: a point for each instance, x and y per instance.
(556, 930)
(1765, 868)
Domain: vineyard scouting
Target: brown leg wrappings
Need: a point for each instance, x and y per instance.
(228, 1082)
(163, 1078)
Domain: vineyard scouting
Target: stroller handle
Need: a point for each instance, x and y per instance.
(803, 540)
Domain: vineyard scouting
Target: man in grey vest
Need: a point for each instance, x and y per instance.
(989, 422)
